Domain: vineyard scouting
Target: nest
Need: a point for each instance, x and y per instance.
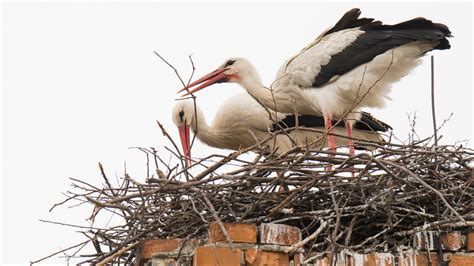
(367, 202)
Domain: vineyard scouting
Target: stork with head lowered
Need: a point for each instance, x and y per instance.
(241, 123)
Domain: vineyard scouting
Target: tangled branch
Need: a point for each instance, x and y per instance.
(393, 193)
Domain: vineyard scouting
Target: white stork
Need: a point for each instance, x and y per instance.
(241, 123)
(350, 66)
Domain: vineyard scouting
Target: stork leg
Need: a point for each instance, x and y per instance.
(351, 143)
(331, 141)
(349, 134)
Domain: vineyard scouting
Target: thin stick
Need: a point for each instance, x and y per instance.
(435, 129)
(117, 254)
(219, 222)
(433, 110)
(61, 251)
(296, 246)
(172, 67)
(106, 179)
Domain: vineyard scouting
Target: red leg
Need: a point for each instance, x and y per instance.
(331, 142)
(351, 143)
(349, 134)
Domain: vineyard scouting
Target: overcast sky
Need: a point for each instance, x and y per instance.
(80, 85)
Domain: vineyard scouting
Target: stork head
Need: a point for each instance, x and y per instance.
(236, 70)
(183, 116)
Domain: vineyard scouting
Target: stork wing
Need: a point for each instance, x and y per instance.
(369, 123)
(349, 20)
(353, 42)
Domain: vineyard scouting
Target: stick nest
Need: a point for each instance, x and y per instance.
(396, 190)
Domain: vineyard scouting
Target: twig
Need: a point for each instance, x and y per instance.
(56, 253)
(322, 225)
(117, 254)
(172, 67)
(219, 222)
(433, 110)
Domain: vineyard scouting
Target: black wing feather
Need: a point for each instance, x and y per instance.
(377, 39)
(349, 20)
(366, 123)
(303, 120)
(369, 123)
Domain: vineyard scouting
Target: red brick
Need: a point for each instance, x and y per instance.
(461, 260)
(452, 241)
(239, 233)
(418, 259)
(256, 257)
(376, 259)
(298, 259)
(210, 256)
(150, 247)
(251, 255)
(470, 241)
(279, 234)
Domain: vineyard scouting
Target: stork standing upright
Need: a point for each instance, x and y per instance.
(349, 66)
(241, 122)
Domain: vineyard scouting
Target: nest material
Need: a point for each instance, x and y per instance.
(396, 190)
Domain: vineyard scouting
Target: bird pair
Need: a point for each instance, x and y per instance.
(241, 122)
(348, 67)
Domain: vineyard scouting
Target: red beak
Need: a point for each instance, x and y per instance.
(185, 142)
(215, 76)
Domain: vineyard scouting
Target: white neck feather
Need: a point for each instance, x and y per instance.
(253, 85)
(203, 131)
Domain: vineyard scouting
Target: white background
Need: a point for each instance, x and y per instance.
(80, 85)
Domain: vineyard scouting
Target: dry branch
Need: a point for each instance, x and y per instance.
(392, 195)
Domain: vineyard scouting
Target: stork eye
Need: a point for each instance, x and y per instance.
(229, 63)
(181, 116)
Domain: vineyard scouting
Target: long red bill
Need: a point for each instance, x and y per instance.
(185, 142)
(209, 79)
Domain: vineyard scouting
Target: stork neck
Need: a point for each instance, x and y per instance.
(262, 94)
(199, 124)
(203, 131)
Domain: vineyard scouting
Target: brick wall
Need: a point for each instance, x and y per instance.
(279, 244)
